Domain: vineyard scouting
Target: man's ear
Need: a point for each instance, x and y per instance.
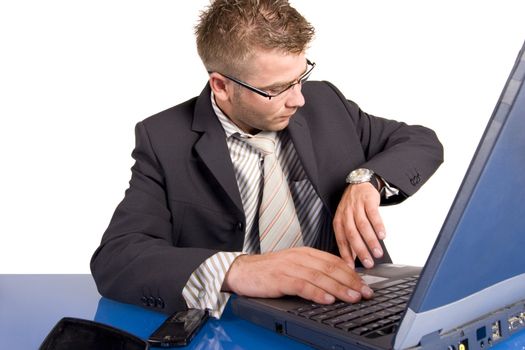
(221, 87)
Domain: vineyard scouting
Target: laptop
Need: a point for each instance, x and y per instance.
(471, 292)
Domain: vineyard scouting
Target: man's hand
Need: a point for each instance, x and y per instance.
(309, 273)
(358, 225)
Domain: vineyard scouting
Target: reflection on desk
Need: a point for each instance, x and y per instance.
(229, 332)
(30, 305)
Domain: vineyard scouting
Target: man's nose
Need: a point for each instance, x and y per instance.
(295, 98)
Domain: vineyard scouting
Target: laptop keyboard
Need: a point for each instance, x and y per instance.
(370, 318)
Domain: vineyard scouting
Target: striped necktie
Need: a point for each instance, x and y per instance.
(279, 227)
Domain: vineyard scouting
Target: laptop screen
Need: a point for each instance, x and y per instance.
(478, 255)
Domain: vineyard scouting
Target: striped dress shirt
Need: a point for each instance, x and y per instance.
(203, 289)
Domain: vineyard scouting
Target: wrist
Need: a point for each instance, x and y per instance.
(375, 182)
(229, 282)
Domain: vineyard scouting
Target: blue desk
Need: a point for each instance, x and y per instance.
(30, 305)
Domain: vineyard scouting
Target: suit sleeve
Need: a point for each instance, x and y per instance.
(137, 261)
(404, 155)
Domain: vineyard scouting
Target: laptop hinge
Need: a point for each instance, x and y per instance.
(429, 341)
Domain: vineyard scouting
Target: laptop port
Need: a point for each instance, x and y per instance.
(463, 345)
(481, 333)
(279, 328)
(514, 323)
(496, 330)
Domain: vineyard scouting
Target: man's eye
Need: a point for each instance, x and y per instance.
(274, 90)
(277, 89)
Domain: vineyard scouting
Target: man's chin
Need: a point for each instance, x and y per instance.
(281, 123)
(277, 124)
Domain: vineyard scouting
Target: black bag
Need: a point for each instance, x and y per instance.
(77, 334)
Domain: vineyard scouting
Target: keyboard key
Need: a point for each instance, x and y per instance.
(347, 326)
(393, 289)
(398, 293)
(304, 308)
(384, 313)
(313, 312)
(386, 304)
(349, 308)
(382, 332)
(381, 292)
(394, 318)
(321, 317)
(335, 306)
(340, 319)
(373, 308)
(404, 292)
(384, 322)
(367, 319)
(397, 309)
(380, 299)
(373, 326)
(361, 330)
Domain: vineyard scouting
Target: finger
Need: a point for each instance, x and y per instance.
(335, 268)
(347, 254)
(306, 290)
(361, 250)
(368, 234)
(353, 255)
(372, 212)
(306, 282)
(357, 244)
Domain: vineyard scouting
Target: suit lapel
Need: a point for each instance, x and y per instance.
(212, 148)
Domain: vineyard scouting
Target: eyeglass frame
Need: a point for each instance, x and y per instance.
(304, 77)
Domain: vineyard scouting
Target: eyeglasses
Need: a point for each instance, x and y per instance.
(274, 92)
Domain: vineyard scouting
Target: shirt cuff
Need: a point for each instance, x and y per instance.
(203, 289)
(387, 190)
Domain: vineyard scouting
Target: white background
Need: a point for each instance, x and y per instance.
(75, 77)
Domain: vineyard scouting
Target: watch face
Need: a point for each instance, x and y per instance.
(360, 175)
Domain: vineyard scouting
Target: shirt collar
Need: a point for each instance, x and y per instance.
(229, 127)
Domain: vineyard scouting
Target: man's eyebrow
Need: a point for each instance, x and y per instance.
(284, 84)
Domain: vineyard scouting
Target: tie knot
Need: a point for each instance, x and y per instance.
(263, 141)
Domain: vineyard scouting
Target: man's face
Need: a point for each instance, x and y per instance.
(271, 72)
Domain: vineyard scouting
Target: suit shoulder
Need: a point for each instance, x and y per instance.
(176, 116)
(326, 94)
(322, 90)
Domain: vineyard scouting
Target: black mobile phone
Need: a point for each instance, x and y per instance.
(178, 329)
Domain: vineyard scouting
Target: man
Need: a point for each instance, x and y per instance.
(200, 220)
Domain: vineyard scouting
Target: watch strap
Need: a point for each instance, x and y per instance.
(375, 182)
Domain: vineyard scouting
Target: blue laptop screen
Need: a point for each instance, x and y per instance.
(482, 241)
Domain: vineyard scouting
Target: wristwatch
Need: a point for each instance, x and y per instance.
(361, 175)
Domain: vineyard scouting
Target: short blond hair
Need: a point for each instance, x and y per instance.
(229, 31)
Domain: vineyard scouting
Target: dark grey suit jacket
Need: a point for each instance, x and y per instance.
(183, 204)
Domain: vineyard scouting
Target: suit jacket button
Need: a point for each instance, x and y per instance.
(151, 301)
(160, 303)
(239, 226)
